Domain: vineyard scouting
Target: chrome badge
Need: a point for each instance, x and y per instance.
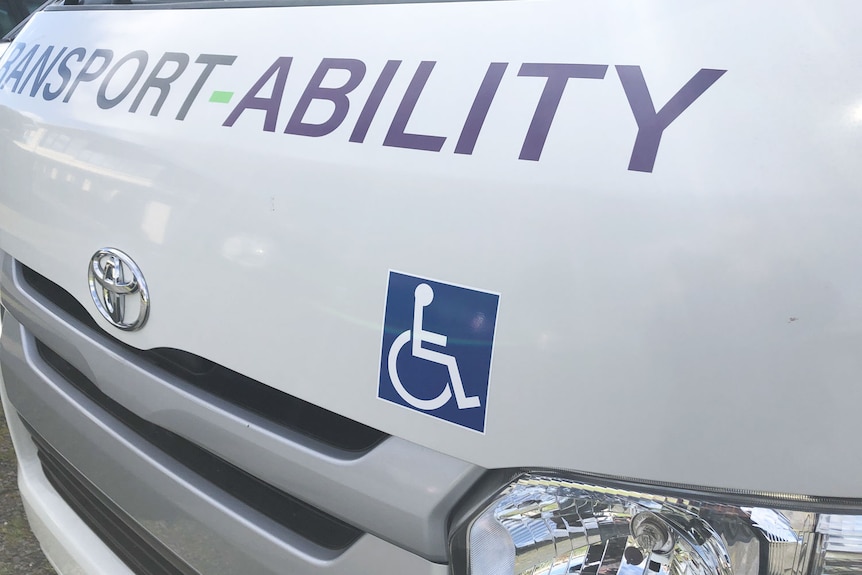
(118, 289)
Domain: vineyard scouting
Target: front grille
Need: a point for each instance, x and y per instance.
(279, 407)
(305, 520)
(236, 475)
(139, 550)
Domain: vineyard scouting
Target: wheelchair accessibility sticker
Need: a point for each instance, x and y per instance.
(438, 340)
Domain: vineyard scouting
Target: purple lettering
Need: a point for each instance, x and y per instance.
(210, 61)
(65, 74)
(374, 99)
(19, 70)
(41, 71)
(85, 75)
(652, 124)
(479, 110)
(397, 137)
(338, 96)
(163, 85)
(558, 76)
(14, 53)
(269, 105)
(102, 99)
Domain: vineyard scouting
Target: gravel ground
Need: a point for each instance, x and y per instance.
(20, 553)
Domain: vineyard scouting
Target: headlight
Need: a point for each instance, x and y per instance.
(547, 525)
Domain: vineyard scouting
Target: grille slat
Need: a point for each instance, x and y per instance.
(305, 520)
(276, 406)
(141, 552)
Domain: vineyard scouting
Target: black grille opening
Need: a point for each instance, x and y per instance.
(139, 550)
(58, 296)
(307, 521)
(268, 402)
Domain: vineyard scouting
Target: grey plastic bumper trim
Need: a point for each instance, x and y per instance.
(213, 532)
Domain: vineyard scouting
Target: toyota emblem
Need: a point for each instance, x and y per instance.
(118, 289)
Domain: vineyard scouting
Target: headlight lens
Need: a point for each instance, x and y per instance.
(545, 525)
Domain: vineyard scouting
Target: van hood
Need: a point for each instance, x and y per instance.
(657, 207)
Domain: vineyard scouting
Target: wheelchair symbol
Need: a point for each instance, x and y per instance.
(424, 295)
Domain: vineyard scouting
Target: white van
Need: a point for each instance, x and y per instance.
(490, 287)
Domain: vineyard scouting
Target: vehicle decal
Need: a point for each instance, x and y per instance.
(438, 341)
(49, 72)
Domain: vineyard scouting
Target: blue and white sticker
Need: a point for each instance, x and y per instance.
(438, 340)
